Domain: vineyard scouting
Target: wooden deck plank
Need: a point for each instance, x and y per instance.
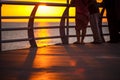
(62, 62)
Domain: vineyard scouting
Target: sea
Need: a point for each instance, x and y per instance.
(22, 34)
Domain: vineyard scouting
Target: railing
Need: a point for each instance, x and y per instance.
(64, 30)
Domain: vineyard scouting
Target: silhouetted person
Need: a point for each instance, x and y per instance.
(94, 22)
(81, 19)
(113, 17)
(86, 9)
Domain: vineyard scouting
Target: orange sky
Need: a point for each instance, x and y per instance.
(16, 10)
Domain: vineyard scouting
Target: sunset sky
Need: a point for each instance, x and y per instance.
(16, 10)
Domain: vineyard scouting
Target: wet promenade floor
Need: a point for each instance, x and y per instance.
(62, 62)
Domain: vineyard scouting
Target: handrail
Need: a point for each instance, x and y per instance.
(40, 3)
(32, 3)
(31, 22)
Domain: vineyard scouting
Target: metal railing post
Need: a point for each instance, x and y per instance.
(31, 27)
(64, 25)
(67, 22)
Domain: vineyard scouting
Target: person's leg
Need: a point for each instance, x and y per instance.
(77, 28)
(83, 35)
(81, 23)
(97, 32)
(78, 37)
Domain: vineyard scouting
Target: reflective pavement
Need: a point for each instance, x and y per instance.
(62, 62)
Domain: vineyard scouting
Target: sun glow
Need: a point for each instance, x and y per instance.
(50, 11)
(43, 9)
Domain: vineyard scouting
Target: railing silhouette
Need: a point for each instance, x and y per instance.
(64, 30)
